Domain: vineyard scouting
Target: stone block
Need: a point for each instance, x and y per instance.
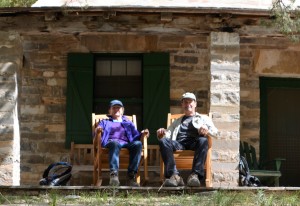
(227, 145)
(8, 86)
(55, 128)
(227, 126)
(30, 90)
(7, 106)
(183, 68)
(6, 118)
(224, 38)
(6, 130)
(62, 74)
(61, 108)
(5, 78)
(32, 109)
(52, 82)
(119, 42)
(52, 147)
(32, 99)
(32, 127)
(224, 109)
(245, 62)
(225, 166)
(29, 145)
(250, 84)
(48, 74)
(6, 147)
(225, 179)
(250, 104)
(218, 65)
(186, 59)
(8, 68)
(250, 125)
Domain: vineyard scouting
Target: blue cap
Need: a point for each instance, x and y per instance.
(115, 102)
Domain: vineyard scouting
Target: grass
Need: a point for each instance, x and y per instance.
(120, 198)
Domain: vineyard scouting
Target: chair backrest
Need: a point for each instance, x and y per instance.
(98, 117)
(248, 151)
(172, 118)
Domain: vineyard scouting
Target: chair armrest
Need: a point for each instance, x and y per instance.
(209, 139)
(275, 164)
(97, 138)
(144, 137)
(278, 163)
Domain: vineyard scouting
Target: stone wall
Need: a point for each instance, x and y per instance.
(198, 63)
(225, 106)
(268, 57)
(43, 103)
(10, 65)
(44, 85)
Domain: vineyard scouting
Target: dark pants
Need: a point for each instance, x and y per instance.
(199, 145)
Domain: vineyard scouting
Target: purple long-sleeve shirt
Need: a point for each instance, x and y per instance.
(131, 132)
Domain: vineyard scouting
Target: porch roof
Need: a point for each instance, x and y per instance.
(238, 4)
(256, 8)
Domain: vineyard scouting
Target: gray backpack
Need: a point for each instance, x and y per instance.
(245, 179)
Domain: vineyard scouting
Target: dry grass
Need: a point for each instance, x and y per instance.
(166, 198)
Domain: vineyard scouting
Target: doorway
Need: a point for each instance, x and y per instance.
(280, 125)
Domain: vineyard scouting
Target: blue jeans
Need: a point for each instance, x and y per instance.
(135, 149)
(168, 146)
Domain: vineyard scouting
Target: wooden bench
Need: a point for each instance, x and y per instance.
(82, 157)
(266, 172)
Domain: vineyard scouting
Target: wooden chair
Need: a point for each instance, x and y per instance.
(268, 172)
(101, 154)
(184, 158)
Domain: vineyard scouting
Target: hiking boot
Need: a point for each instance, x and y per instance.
(174, 181)
(114, 179)
(132, 180)
(193, 180)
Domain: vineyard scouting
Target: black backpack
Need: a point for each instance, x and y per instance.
(57, 174)
(245, 179)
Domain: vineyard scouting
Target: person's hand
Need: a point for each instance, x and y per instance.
(98, 129)
(146, 132)
(203, 130)
(161, 132)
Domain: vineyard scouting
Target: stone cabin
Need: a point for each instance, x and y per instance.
(244, 74)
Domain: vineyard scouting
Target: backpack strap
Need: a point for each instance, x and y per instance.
(66, 174)
(46, 172)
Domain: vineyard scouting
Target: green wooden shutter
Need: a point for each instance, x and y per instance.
(156, 92)
(79, 98)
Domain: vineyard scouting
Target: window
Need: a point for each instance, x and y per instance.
(119, 77)
(141, 81)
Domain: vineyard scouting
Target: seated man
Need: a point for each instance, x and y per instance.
(186, 133)
(119, 132)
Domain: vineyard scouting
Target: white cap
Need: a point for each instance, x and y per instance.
(188, 95)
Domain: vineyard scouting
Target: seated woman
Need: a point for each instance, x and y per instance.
(119, 132)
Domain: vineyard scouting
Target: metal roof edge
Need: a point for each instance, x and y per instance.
(133, 9)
